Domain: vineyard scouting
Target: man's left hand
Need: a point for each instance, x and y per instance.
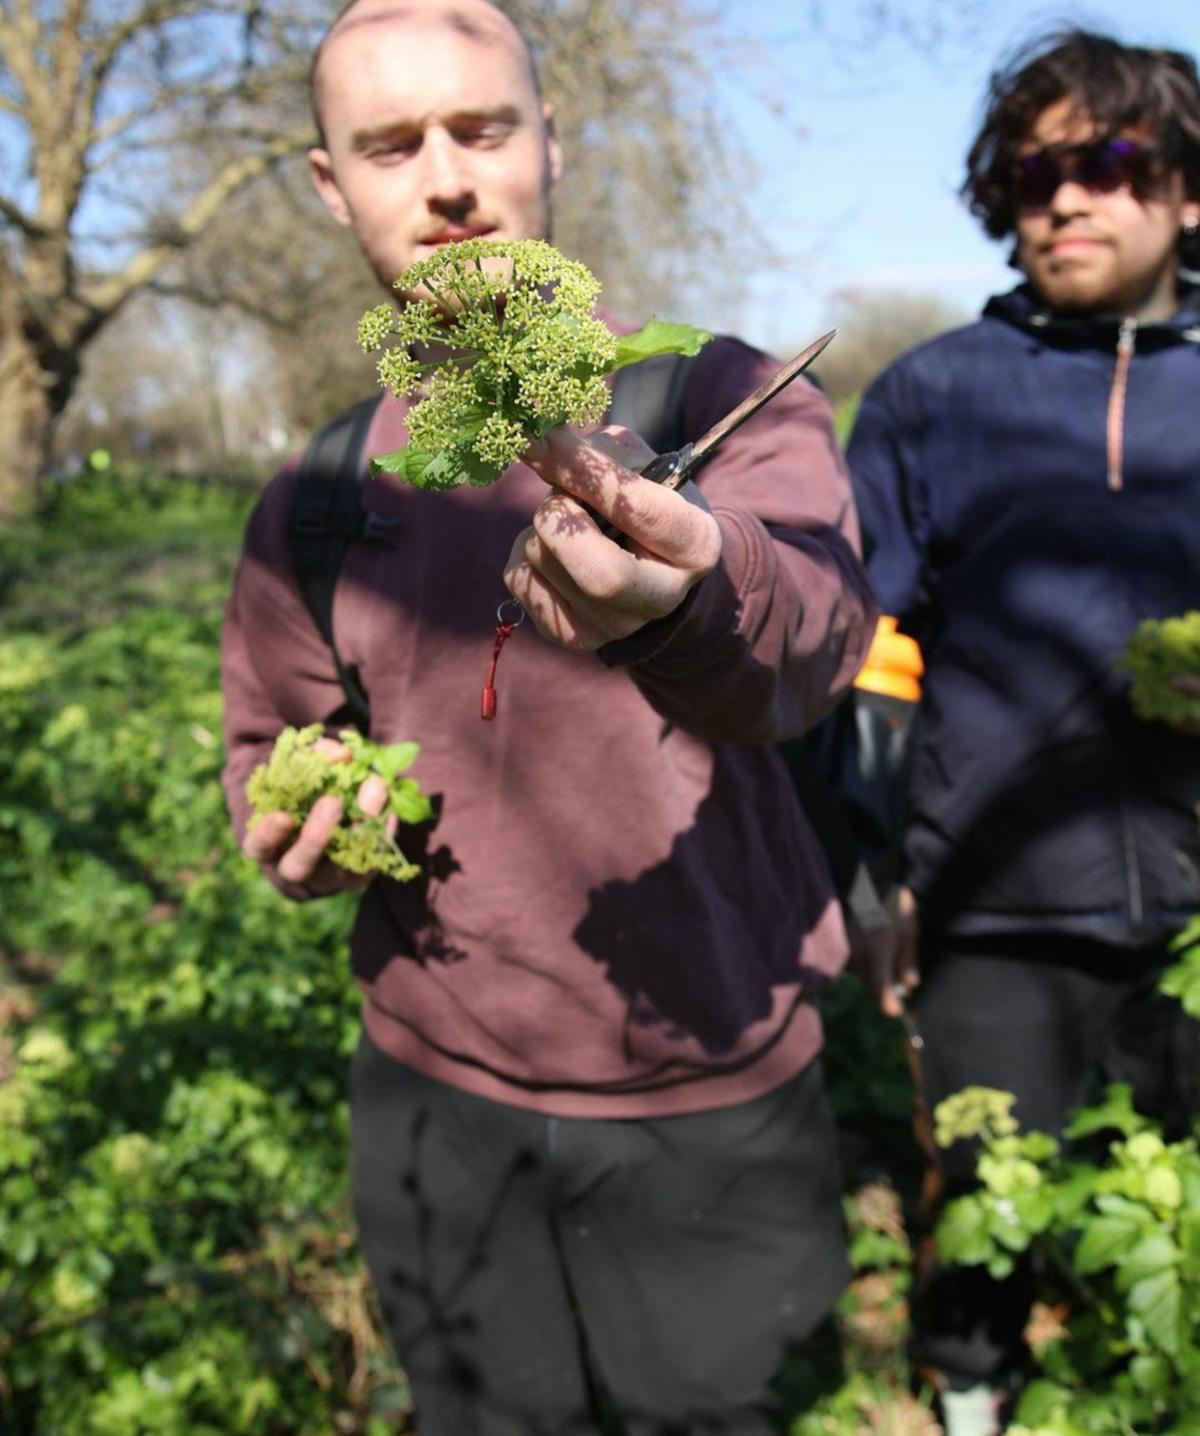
(581, 589)
(1189, 684)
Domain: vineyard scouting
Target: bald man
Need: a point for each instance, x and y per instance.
(594, 1172)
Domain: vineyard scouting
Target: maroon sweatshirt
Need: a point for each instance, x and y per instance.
(622, 911)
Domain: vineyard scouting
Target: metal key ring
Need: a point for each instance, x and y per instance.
(517, 607)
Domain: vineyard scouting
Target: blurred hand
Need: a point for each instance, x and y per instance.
(1188, 684)
(299, 856)
(581, 589)
(885, 960)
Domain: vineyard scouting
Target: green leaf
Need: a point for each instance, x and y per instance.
(1151, 1375)
(1040, 1401)
(1005, 1224)
(1113, 1204)
(659, 337)
(409, 463)
(1158, 1300)
(1152, 1254)
(456, 465)
(395, 758)
(1035, 1209)
(1115, 1111)
(1105, 1241)
(1182, 980)
(962, 1232)
(1073, 1190)
(409, 803)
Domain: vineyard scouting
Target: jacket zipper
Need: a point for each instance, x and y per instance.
(1126, 340)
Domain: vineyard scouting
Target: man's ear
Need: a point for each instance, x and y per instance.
(554, 154)
(320, 166)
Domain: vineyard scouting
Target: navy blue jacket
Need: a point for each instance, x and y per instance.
(1026, 500)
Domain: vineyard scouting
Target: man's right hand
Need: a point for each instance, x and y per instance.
(885, 959)
(300, 857)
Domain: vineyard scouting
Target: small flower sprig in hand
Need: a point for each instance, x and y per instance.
(298, 773)
(1163, 655)
(502, 339)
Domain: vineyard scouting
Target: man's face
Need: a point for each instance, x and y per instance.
(432, 135)
(1092, 248)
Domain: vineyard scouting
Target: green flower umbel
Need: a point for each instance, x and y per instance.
(501, 341)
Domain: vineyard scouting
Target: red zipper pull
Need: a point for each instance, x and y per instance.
(505, 628)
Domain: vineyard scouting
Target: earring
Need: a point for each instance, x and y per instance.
(1191, 226)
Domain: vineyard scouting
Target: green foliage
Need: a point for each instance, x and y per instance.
(1118, 1247)
(873, 1394)
(1183, 979)
(1162, 649)
(519, 352)
(174, 1230)
(297, 774)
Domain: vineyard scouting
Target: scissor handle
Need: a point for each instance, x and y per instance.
(664, 468)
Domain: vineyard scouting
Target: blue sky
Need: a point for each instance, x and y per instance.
(866, 196)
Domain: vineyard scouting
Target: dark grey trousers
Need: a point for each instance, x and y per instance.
(545, 1276)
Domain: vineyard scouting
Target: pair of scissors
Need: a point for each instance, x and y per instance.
(672, 469)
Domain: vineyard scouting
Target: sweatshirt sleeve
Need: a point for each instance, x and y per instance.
(276, 670)
(891, 496)
(765, 645)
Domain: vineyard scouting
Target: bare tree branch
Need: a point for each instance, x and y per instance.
(16, 216)
(108, 296)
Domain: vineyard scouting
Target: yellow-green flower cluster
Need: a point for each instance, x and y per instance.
(1159, 650)
(974, 1112)
(297, 774)
(500, 339)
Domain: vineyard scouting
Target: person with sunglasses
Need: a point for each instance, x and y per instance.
(1029, 491)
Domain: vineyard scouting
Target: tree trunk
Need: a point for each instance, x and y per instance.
(26, 422)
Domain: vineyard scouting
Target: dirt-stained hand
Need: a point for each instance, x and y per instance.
(885, 959)
(581, 589)
(1188, 684)
(299, 856)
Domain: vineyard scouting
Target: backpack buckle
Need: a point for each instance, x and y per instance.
(376, 528)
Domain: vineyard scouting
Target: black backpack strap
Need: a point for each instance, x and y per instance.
(650, 398)
(327, 515)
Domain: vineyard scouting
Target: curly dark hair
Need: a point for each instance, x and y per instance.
(1118, 87)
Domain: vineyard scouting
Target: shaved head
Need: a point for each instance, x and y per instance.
(478, 21)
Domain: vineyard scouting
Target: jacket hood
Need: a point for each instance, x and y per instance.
(1025, 308)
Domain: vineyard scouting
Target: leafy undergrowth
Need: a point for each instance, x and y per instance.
(175, 1253)
(176, 1256)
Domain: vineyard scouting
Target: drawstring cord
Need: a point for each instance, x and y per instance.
(1116, 404)
(504, 630)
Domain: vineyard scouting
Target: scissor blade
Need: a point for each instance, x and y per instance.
(754, 402)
